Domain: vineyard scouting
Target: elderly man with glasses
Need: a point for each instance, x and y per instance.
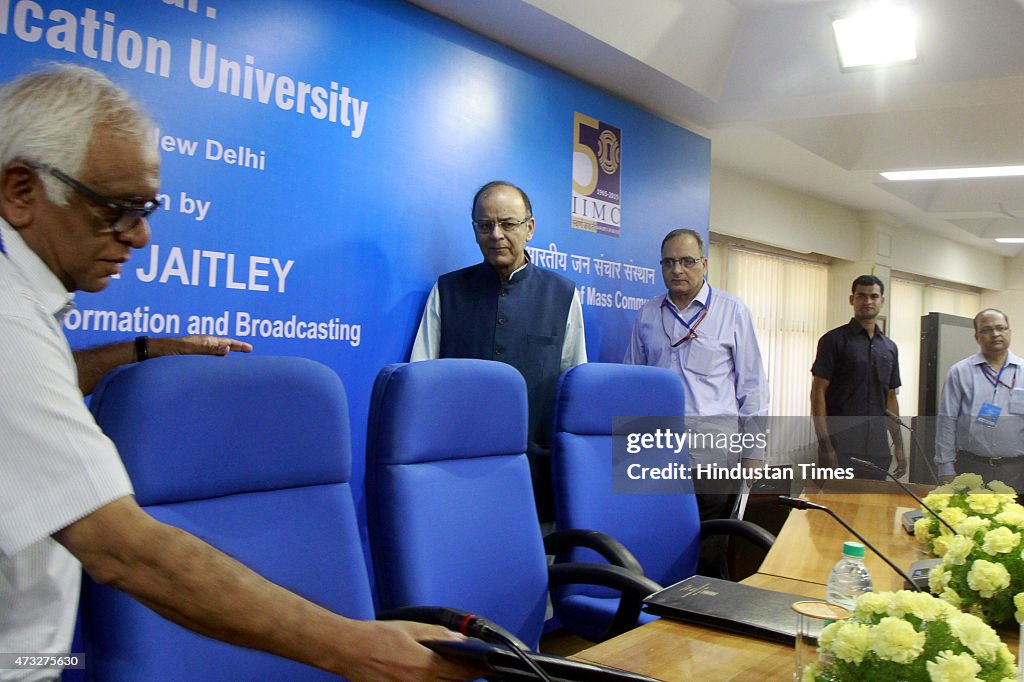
(707, 337)
(980, 425)
(507, 309)
(78, 176)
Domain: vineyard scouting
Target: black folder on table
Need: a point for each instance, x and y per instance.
(729, 606)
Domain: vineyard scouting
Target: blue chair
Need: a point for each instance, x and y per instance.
(450, 505)
(662, 531)
(251, 454)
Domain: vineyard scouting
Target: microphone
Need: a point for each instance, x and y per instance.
(915, 443)
(469, 625)
(907, 490)
(463, 622)
(797, 503)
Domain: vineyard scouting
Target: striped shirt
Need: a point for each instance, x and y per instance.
(56, 466)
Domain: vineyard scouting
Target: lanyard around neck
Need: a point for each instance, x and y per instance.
(694, 322)
(995, 378)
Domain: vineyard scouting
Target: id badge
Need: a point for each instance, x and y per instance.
(988, 415)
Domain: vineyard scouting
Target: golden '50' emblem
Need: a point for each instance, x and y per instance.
(608, 151)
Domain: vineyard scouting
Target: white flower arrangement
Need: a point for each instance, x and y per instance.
(909, 637)
(982, 567)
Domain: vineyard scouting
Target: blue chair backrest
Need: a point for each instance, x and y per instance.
(251, 454)
(450, 505)
(661, 530)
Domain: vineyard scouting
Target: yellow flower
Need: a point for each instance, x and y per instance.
(941, 545)
(1000, 541)
(828, 634)
(918, 604)
(983, 503)
(967, 481)
(923, 530)
(1005, 657)
(896, 640)
(971, 525)
(987, 578)
(871, 603)
(937, 501)
(938, 579)
(981, 639)
(1001, 488)
(853, 642)
(1011, 515)
(944, 489)
(950, 667)
(959, 547)
(810, 673)
(1018, 601)
(953, 515)
(950, 596)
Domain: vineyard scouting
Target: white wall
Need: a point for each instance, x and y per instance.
(756, 210)
(753, 209)
(1011, 299)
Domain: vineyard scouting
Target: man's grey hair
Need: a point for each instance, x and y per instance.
(682, 232)
(48, 117)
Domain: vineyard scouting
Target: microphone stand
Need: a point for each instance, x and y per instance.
(863, 463)
(915, 444)
(797, 503)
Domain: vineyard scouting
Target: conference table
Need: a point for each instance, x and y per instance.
(799, 562)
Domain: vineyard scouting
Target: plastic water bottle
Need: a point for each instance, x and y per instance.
(849, 577)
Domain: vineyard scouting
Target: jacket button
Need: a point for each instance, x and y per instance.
(502, 320)
(498, 350)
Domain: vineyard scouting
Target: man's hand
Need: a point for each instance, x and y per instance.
(196, 345)
(196, 586)
(901, 463)
(93, 363)
(391, 651)
(827, 457)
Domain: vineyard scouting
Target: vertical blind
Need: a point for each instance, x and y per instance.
(788, 300)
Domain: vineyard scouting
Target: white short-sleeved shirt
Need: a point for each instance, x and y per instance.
(56, 466)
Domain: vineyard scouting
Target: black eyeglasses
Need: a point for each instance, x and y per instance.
(685, 261)
(125, 216)
(505, 224)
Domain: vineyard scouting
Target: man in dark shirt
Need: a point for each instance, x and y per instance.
(507, 309)
(856, 374)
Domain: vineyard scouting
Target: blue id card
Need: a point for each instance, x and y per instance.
(989, 414)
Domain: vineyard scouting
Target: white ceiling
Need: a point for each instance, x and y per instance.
(761, 79)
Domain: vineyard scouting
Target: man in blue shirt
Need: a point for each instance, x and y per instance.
(856, 374)
(980, 426)
(706, 337)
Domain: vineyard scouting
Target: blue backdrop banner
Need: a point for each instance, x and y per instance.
(319, 159)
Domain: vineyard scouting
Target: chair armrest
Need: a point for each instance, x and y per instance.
(634, 588)
(613, 551)
(745, 529)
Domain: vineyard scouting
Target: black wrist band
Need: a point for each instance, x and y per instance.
(141, 348)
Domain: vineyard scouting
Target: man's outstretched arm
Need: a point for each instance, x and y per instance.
(195, 585)
(93, 363)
